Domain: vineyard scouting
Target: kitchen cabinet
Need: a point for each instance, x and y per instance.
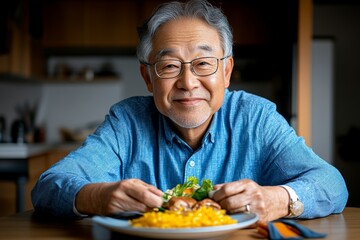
(41, 157)
(96, 27)
(111, 23)
(22, 55)
(262, 22)
(93, 24)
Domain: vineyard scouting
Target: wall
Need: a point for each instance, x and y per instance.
(73, 105)
(342, 23)
(322, 98)
(13, 95)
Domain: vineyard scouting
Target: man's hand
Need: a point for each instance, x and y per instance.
(125, 195)
(269, 203)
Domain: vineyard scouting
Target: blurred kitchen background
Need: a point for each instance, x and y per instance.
(63, 63)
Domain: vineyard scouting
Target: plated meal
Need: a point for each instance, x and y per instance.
(186, 205)
(187, 213)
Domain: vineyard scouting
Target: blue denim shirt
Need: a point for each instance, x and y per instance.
(247, 138)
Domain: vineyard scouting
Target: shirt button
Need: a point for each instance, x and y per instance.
(192, 163)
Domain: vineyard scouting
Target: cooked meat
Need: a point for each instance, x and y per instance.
(176, 203)
(208, 203)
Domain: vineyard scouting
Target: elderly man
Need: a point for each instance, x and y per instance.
(192, 125)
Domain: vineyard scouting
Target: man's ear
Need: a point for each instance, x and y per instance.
(145, 75)
(228, 70)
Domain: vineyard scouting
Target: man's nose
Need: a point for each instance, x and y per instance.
(187, 79)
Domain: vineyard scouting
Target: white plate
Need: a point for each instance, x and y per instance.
(122, 226)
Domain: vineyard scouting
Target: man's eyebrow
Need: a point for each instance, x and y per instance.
(163, 52)
(206, 48)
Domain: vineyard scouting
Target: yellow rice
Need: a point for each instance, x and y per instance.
(202, 217)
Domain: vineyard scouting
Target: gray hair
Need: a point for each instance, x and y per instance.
(200, 9)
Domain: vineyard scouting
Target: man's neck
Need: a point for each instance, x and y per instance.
(192, 136)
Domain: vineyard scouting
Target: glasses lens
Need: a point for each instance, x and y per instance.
(172, 68)
(168, 68)
(205, 66)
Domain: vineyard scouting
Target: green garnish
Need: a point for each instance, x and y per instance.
(190, 188)
(204, 190)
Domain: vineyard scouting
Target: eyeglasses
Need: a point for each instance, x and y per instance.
(172, 68)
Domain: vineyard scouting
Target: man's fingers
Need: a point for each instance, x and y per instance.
(143, 195)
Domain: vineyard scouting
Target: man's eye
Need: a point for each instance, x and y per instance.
(169, 66)
(202, 64)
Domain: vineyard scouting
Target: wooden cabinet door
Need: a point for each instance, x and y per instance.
(105, 23)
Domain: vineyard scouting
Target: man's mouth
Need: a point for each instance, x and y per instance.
(189, 101)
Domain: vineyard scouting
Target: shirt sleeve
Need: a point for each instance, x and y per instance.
(55, 195)
(96, 160)
(289, 161)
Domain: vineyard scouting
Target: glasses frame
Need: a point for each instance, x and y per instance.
(182, 68)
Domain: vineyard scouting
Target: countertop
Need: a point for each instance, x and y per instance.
(16, 151)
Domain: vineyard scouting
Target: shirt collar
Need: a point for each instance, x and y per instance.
(171, 136)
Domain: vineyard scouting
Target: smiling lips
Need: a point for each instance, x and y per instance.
(189, 101)
(190, 98)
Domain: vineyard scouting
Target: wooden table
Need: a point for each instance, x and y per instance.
(28, 225)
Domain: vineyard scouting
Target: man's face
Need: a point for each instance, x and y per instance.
(188, 100)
